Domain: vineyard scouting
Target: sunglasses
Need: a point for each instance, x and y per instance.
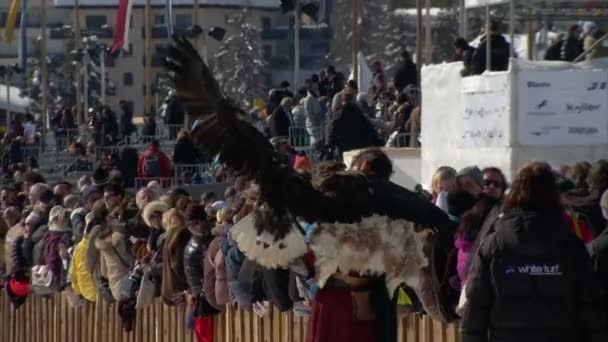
(496, 184)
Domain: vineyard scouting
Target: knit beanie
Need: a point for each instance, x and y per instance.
(472, 171)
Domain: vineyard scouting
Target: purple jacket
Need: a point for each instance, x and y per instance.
(464, 251)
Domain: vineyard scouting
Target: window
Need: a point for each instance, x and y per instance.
(267, 51)
(266, 23)
(128, 79)
(183, 20)
(96, 21)
(159, 19)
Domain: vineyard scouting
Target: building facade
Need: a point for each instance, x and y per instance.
(98, 17)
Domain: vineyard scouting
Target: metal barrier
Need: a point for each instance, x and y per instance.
(64, 137)
(29, 152)
(308, 136)
(201, 173)
(398, 140)
(165, 183)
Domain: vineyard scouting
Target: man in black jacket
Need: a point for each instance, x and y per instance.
(174, 115)
(407, 73)
(572, 47)
(125, 119)
(281, 119)
(500, 51)
(351, 129)
(533, 282)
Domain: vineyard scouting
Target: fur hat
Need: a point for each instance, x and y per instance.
(59, 219)
(604, 204)
(151, 208)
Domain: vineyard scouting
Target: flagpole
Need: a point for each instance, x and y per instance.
(356, 37)
(148, 53)
(418, 34)
(296, 44)
(76, 28)
(45, 76)
(196, 39)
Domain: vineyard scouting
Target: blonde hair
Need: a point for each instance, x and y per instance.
(173, 219)
(224, 216)
(443, 173)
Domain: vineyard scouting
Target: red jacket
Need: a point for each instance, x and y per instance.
(165, 163)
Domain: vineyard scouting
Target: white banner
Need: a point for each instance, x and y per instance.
(479, 3)
(563, 107)
(485, 110)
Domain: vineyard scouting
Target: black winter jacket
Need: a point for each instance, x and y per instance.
(598, 249)
(279, 123)
(500, 51)
(533, 283)
(185, 153)
(194, 257)
(351, 130)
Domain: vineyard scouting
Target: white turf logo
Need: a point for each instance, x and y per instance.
(534, 270)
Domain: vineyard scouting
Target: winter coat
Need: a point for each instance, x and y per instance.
(406, 74)
(165, 163)
(175, 113)
(234, 263)
(266, 284)
(82, 280)
(554, 52)
(194, 255)
(600, 51)
(50, 254)
(149, 127)
(467, 60)
(185, 153)
(314, 112)
(136, 227)
(174, 278)
(13, 233)
(590, 207)
(598, 250)
(125, 121)
(377, 85)
(33, 245)
(351, 130)
(336, 85)
(572, 47)
(115, 260)
(464, 248)
(500, 53)
(280, 121)
(534, 282)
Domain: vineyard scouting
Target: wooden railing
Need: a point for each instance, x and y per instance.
(53, 320)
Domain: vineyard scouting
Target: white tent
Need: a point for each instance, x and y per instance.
(18, 104)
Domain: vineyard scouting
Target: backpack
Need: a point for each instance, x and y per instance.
(152, 166)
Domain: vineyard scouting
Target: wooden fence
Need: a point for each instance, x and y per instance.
(53, 320)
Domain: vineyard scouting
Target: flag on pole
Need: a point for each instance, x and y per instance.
(23, 33)
(123, 24)
(169, 15)
(11, 19)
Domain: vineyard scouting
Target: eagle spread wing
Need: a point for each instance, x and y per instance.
(342, 206)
